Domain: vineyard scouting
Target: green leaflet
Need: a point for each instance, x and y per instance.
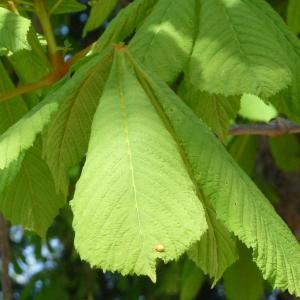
(255, 109)
(235, 48)
(69, 131)
(100, 11)
(244, 150)
(238, 50)
(238, 203)
(10, 112)
(243, 280)
(293, 15)
(13, 31)
(7, 175)
(30, 65)
(169, 279)
(125, 23)
(215, 110)
(192, 281)
(165, 40)
(288, 101)
(135, 200)
(64, 6)
(21, 135)
(216, 250)
(30, 199)
(27, 194)
(286, 152)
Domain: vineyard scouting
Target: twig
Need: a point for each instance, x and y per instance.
(276, 127)
(5, 255)
(54, 7)
(12, 6)
(44, 82)
(47, 80)
(41, 11)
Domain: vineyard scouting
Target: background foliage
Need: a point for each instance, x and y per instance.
(50, 267)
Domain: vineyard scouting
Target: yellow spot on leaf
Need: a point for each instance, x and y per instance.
(159, 248)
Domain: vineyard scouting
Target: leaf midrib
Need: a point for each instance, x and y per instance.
(238, 41)
(166, 121)
(159, 28)
(124, 112)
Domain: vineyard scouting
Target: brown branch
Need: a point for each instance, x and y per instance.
(47, 80)
(276, 127)
(5, 256)
(44, 82)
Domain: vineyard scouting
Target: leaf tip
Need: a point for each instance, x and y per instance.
(152, 276)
